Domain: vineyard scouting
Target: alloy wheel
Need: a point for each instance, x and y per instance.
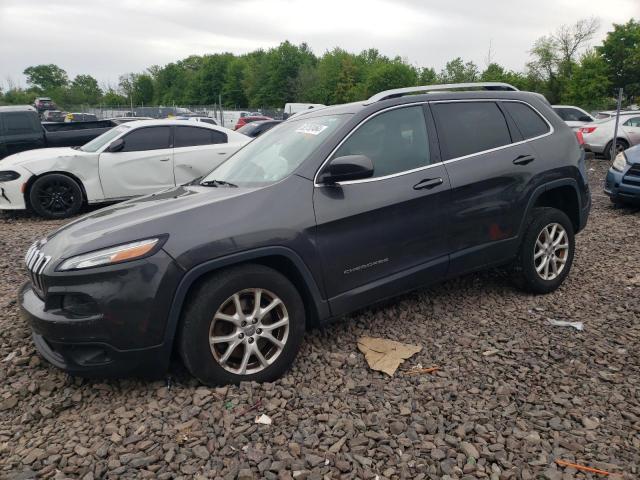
(56, 197)
(551, 251)
(249, 331)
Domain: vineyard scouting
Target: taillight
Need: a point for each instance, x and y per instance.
(580, 137)
(587, 129)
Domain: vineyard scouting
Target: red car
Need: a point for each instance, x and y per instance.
(248, 119)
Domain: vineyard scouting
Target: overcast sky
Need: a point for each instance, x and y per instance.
(110, 37)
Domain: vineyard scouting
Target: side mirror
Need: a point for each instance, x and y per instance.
(348, 167)
(116, 146)
(584, 118)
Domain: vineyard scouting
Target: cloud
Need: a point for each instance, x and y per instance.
(106, 39)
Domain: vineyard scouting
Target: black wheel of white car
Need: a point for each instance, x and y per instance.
(245, 323)
(621, 146)
(546, 253)
(55, 196)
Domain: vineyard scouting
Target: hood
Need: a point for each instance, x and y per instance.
(24, 159)
(633, 154)
(137, 219)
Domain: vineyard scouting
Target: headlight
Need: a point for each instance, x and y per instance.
(8, 175)
(111, 255)
(619, 162)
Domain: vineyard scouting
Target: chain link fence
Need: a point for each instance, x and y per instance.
(223, 116)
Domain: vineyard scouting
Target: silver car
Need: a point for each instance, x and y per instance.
(598, 136)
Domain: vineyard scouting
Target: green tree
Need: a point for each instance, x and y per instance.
(142, 89)
(589, 86)
(84, 89)
(457, 71)
(232, 89)
(621, 53)
(428, 76)
(112, 98)
(46, 77)
(385, 76)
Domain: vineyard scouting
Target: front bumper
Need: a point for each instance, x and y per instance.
(622, 186)
(123, 335)
(11, 194)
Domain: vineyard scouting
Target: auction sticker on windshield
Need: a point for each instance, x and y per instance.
(312, 129)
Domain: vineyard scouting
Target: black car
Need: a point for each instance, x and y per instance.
(334, 210)
(21, 129)
(255, 129)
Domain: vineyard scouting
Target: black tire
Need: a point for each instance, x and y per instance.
(525, 275)
(621, 145)
(55, 196)
(214, 293)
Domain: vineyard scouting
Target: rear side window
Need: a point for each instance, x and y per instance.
(632, 122)
(148, 138)
(465, 128)
(528, 121)
(17, 123)
(396, 141)
(569, 114)
(193, 136)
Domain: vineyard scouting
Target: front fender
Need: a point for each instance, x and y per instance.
(319, 304)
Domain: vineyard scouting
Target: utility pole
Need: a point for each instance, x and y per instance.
(614, 142)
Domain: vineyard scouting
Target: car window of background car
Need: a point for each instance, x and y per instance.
(208, 120)
(569, 114)
(192, 136)
(527, 120)
(465, 128)
(633, 122)
(395, 141)
(17, 123)
(147, 138)
(102, 140)
(278, 152)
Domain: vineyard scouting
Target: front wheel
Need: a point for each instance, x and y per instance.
(242, 324)
(55, 196)
(546, 252)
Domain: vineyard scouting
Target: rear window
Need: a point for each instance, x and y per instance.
(193, 136)
(16, 123)
(528, 121)
(465, 128)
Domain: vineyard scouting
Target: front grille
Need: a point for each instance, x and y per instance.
(36, 262)
(632, 177)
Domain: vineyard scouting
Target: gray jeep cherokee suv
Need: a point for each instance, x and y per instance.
(328, 212)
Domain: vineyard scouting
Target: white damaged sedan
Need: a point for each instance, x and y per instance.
(132, 159)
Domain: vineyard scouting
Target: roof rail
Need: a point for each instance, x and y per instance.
(400, 92)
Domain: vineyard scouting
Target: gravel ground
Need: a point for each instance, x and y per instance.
(513, 393)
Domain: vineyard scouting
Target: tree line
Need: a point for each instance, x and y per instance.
(561, 66)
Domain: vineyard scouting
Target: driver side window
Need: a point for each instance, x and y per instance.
(147, 138)
(395, 141)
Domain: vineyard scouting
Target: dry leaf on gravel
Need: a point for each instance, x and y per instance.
(385, 355)
(263, 419)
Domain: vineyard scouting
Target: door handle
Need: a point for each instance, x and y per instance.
(164, 159)
(523, 159)
(428, 183)
(222, 153)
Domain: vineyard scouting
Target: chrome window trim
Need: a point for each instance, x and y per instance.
(451, 160)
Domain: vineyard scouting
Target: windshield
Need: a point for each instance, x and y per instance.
(276, 153)
(99, 142)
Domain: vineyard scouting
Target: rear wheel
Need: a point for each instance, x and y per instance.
(621, 146)
(55, 196)
(546, 252)
(242, 324)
